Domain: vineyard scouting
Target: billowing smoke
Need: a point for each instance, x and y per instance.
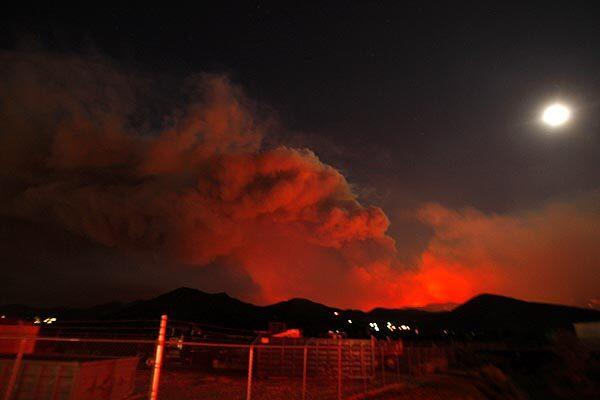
(183, 173)
(82, 149)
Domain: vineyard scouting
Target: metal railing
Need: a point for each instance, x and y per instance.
(57, 367)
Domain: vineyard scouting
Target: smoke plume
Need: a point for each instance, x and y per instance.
(112, 157)
(194, 184)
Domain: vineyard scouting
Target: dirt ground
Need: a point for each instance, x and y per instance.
(485, 383)
(196, 385)
(453, 387)
(189, 385)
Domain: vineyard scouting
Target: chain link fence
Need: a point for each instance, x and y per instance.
(121, 360)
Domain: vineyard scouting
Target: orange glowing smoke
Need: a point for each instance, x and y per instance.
(197, 185)
(199, 188)
(546, 254)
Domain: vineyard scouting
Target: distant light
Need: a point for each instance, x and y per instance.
(556, 114)
(336, 313)
(374, 326)
(349, 321)
(2, 316)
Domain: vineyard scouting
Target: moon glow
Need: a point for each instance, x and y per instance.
(556, 115)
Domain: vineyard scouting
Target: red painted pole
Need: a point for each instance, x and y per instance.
(158, 358)
(250, 368)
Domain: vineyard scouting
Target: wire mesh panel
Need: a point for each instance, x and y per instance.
(80, 360)
(77, 369)
(116, 360)
(204, 370)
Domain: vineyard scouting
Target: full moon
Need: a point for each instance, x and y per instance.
(556, 115)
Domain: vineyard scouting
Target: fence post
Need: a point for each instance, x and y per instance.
(158, 358)
(397, 362)
(421, 358)
(363, 369)
(339, 383)
(409, 354)
(304, 371)
(382, 367)
(12, 381)
(373, 357)
(250, 368)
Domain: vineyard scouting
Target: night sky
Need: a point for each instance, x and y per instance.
(430, 112)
